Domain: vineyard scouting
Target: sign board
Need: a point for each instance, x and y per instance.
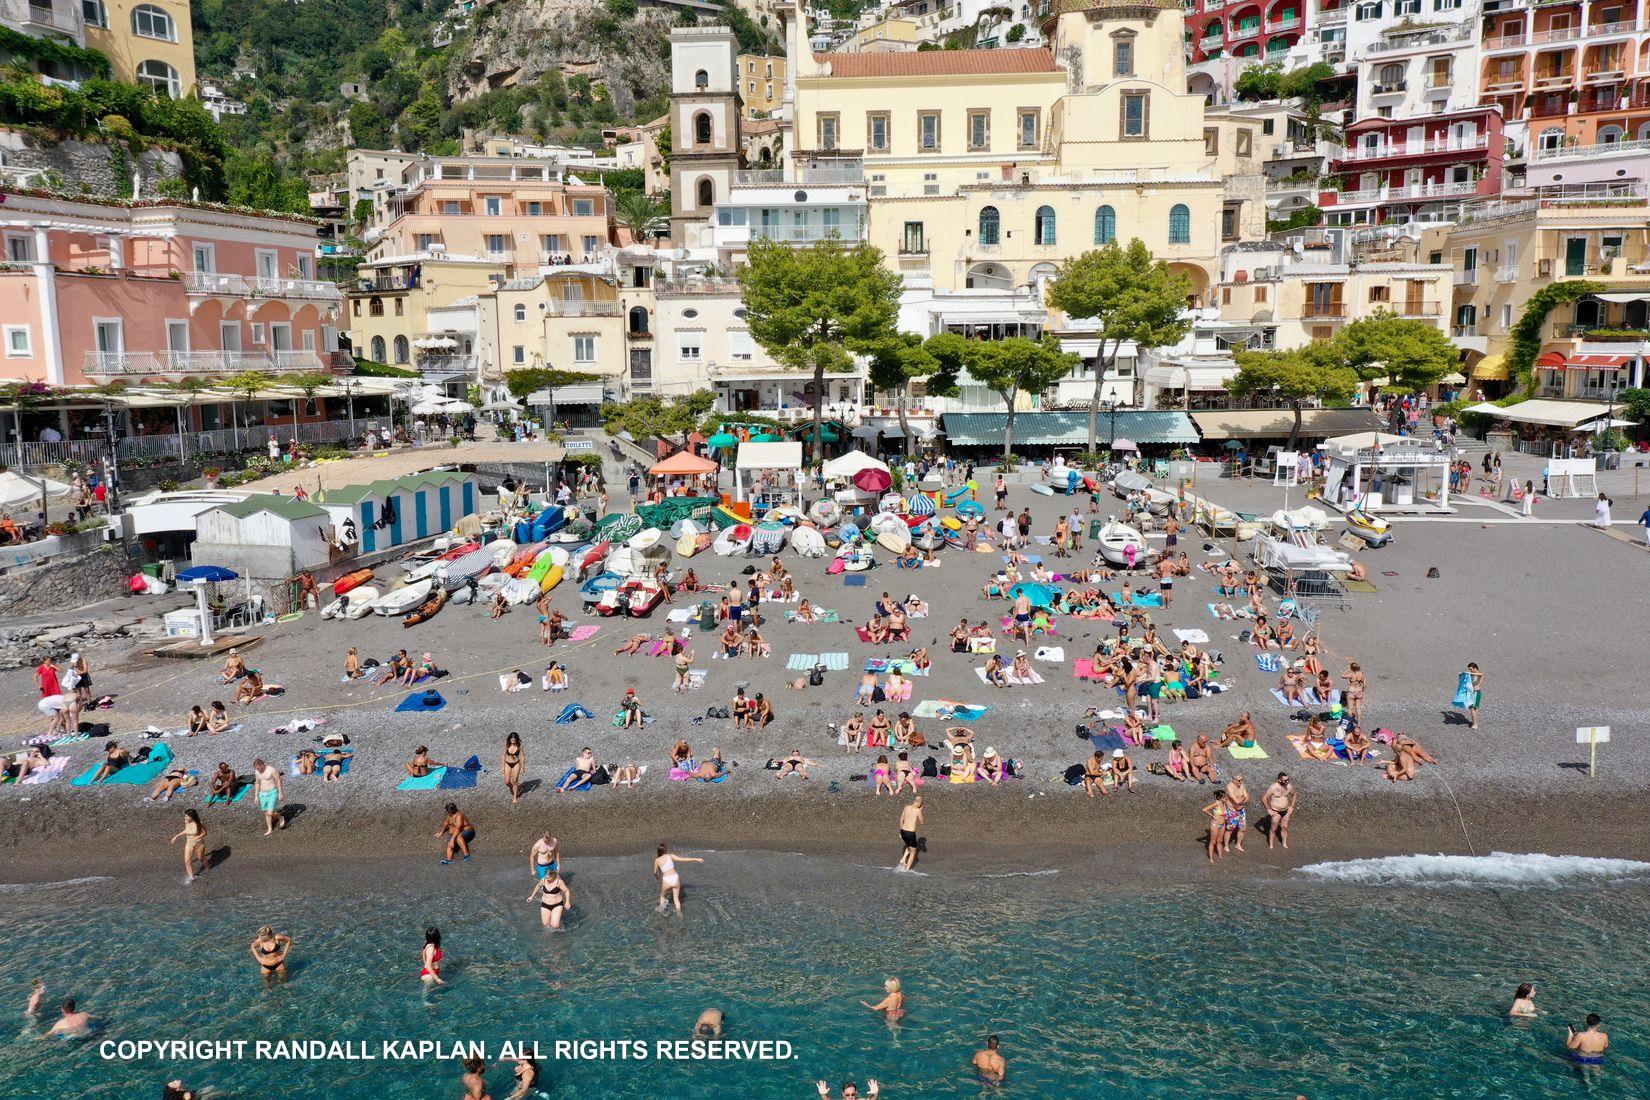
(1593, 735)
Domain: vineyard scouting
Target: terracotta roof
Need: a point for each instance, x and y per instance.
(941, 63)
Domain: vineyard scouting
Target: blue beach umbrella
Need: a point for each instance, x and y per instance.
(210, 573)
(1040, 595)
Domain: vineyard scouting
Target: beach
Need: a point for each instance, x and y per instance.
(1549, 610)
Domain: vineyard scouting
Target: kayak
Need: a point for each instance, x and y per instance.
(552, 578)
(351, 580)
(426, 610)
(523, 560)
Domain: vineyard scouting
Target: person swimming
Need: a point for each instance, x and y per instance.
(709, 1024)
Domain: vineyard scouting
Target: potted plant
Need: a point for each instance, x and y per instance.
(212, 473)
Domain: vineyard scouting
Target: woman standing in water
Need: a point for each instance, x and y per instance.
(430, 972)
(514, 758)
(670, 881)
(893, 1005)
(194, 843)
(557, 899)
(271, 951)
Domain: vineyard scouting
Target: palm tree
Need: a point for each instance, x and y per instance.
(643, 215)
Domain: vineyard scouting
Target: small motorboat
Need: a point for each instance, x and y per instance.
(825, 512)
(457, 572)
(886, 521)
(351, 580)
(808, 542)
(645, 539)
(895, 540)
(855, 560)
(427, 609)
(401, 600)
(352, 604)
(1374, 530)
(641, 596)
(591, 559)
(628, 562)
(1065, 479)
(552, 577)
(592, 590)
(733, 540)
(1122, 545)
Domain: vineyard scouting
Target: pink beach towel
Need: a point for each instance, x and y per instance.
(1083, 669)
(580, 633)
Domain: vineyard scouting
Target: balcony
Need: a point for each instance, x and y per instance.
(1391, 87)
(1458, 331)
(1323, 311)
(1420, 149)
(803, 234)
(1418, 309)
(215, 284)
(1413, 40)
(561, 307)
(446, 368)
(1606, 30)
(1586, 152)
(1278, 26)
(1243, 32)
(499, 255)
(1498, 84)
(59, 17)
(1468, 277)
(1398, 194)
(1553, 78)
(773, 177)
(1330, 17)
(1508, 274)
(1556, 109)
(1210, 42)
(99, 364)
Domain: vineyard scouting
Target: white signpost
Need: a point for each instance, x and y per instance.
(1593, 737)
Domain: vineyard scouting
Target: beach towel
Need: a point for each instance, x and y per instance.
(802, 662)
(853, 580)
(821, 615)
(902, 665)
(1162, 733)
(1247, 752)
(1237, 613)
(696, 678)
(1108, 741)
(243, 785)
(834, 662)
(582, 631)
(1269, 662)
(320, 763)
(568, 774)
(1195, 636)
(1083, 669)
(461, 778)
(415, 703)
(54, 767)
(1141, 599)
(1034, 559)
(513, 682)
(572, 712)
(1053, 654)
(1311, 698)
(680, 615)
(423, 782)
(682, 776)
(946, 708)
(1053, 625)
(1009, 675)
(160, 757)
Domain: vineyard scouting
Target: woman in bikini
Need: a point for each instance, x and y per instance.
(555, 677)
(1355, 684)
(194, 844)
(252, 687)
(883, 775)
(514, 757)
(555, 899)
(167, 785)
(218, 720)
(893, 1004)
(805, 611)
(670, 880)
(271, 949)
(1175, 768)
(429, 971)
(197, 720)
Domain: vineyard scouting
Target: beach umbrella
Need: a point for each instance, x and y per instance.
(722, 439)
(1233, 445)
(210, 573)
(872, 480)
(921, 505)
(765, 437)
(1040, 595)
(1124, 445)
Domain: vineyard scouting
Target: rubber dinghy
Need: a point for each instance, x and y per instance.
(733, 540)
(401, 600)
(1115, 540)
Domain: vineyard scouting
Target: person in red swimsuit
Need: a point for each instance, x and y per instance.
(431, 971)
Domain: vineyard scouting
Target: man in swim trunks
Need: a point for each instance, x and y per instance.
(267, 783)
(545, 856)
(458, 831)
(1588, 1045)
(989, 1063)
(1280, 800)
(1200, 761)
(910, 820)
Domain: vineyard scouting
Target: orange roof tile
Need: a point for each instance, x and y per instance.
(941, 63)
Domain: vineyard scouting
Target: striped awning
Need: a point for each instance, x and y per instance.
(1068, 429)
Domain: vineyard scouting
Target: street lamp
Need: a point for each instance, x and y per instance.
(1110, 405)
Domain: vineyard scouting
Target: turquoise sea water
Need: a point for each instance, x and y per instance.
(1294, 985)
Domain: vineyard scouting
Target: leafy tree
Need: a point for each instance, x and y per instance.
(532, 379)
(1016, 32)
(257, 181)
(904, 357)
(1412, 353)
(1262, 81)
(1295, 376)
(641, 214)
(812, 308)
(673, 418)
(1015, 366)
(1133, 298)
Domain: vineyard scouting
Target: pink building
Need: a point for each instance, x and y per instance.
(96, 290)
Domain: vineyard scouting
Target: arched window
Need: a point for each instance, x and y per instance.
(707, 194)
(1043, 225)
(149, 21)
(1180, 224)
(400, 349)
(375, 308)
(991, 225)
(377, 349)
(521, 313)
(701, 80)
(701, 128)
(1105, 225)
(1552, 138)
(161, 77)
(1609, 135)
(638, 321)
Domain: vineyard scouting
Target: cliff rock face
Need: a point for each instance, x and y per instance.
(91, 167)
(519, 41)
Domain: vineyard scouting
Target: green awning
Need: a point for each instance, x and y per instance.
(1068, 429)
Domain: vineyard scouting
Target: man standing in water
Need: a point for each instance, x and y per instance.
(75, 1022)
(910, 820)
(1587, 1046)
(267, 783)
(989, 1063)
(1280, 800)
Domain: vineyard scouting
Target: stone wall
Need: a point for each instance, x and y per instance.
(64, 583)
(90, 167)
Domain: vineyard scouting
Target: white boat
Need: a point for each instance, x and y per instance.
(401, 600)
(927, 537)
(352, 604)
(855, 559)
(684, 527)
(645, 539)
(894, 541)
(1307, 518)
(1115, 540)
(1271, 553)
(887, 521)
(1063, 478)
(1159, 501)
(808, 542)
(454, 574)
(627, 561)
(733, 540)
(825, 512)
(503, 551)
(425, 566)
(559, 555)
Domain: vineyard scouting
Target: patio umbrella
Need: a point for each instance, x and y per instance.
(1040, 595)
(1124, 445)
(722, 439)
(920, 505)
(765, 437)
(458, 407)
(1233, 445)
(872, 480)
(210, 573)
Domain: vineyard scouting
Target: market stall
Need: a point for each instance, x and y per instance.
(1380, 472)
(768, 474)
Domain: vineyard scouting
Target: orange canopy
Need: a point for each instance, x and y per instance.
(685, 463)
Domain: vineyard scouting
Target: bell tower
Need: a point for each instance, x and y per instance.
(704, 122)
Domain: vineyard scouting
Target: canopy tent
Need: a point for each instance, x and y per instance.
(1453, 378)
(784, 459)
(1068, 429)
(1278, 423)
(1378, 470)
(853, 462)
(1363, 441)
(1545, 413)
(17, 491)
(684, 464)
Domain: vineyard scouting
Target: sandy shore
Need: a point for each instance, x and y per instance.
(1553, 614)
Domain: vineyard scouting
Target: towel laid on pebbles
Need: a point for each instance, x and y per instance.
(1008, 674)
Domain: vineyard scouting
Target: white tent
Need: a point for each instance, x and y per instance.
(17, 491)
(852, 463)
(783, 459)
(1363, 441)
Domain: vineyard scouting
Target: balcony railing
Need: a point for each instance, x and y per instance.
(805, 233)
(561, 307)
(1414, 41)
(768, 177)
(1243, 31)
(1287, 24)
(1553, 77)
(1412, 191)
(1391, 87)
(442, 367)
(1468, 277)
(1418, 309)
(1583, 152)
(1609, 72)
(143, 363)
(1211, 41)
(1464, 330)
(1507, 274)
(1550, 110)
(221, 284)
(1322, 311)
(1417, 149)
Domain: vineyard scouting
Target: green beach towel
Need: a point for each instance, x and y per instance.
(1163, 733)
(1247, 752)
(243, 784)
(422, 782)
(160, 758)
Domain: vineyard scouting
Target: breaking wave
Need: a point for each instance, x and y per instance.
(1495, 869)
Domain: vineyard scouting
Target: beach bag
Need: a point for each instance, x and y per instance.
(930, 768)
(1074, 775)
(602, 775)
(878, 695)
(816, 675)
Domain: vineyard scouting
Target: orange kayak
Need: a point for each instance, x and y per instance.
(351, 580)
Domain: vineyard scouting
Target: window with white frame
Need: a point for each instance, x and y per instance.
(160, 77)
(257, 333)
(94, 13)
(19, 249)
(584, 208)
(741, 348)
(518, 354)
(18, 344)
(584, 348)
(688, 344)
(494, 205)
(521, 313)
(149, 21)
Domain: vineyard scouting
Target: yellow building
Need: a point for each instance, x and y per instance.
(761, 84)
(388, 307)
(146, 41)
(565, 321)
(987, 168)
(887, 36)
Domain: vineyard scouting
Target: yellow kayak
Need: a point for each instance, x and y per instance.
(552, 577)
(951, 523)
(688, 544)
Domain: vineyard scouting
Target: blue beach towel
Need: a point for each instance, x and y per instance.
(1106, 742)
(572, 712)
(243, 784)
(160, 757)
(461, 779)
(1269, 662)
(1311, 698)
(585, 786)
(853, 580)
(1463, 691)
(834, 662)
(802, 662)
(415, 703)
(423, 782)
(1141, 599)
